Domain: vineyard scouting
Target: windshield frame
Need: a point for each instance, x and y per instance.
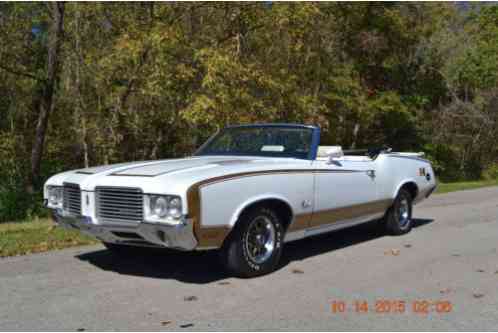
(315, 138)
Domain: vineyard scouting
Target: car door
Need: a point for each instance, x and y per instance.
(345, 190)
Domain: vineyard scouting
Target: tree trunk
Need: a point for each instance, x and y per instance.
(356, 129)
(81, 105)
(46, 102)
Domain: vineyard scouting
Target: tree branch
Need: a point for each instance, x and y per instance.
(19, 73)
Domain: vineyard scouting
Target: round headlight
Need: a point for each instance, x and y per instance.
(175, 207)
(55, 195)
(160, 206)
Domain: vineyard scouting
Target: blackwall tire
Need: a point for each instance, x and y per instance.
(255, 245)
(398, 219)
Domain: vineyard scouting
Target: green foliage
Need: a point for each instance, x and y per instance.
(444, 161)
(12, 201)
(491, 172)
(15, 203)
(148, 80)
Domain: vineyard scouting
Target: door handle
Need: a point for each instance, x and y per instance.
(371, 173)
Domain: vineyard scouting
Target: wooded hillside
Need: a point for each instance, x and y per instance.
(84, 84)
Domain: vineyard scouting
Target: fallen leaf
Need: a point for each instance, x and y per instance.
(187, 325)
(190, 298)
(445, 291)
(480, 271)
(223, 283)
(477, 295)
(166, 322)
(393, 252)
(297, 271)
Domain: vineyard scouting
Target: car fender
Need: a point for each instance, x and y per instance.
(402, 183)
(252, 200)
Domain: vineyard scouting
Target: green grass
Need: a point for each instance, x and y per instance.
(460, 186)
(38, 235)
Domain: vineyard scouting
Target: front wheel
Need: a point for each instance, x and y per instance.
(255, 245)
(398, 219)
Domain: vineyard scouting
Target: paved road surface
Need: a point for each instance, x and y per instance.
(450, 256)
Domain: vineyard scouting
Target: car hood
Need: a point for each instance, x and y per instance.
(172, 176)
(156, 168)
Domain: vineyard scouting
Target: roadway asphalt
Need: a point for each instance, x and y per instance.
(449, 261)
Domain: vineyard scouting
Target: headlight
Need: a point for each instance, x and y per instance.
(175, 207)
(54, 196)
(160, 208)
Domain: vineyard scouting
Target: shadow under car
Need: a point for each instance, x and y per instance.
(200, 267)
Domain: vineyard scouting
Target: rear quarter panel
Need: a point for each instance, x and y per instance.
(394, 171)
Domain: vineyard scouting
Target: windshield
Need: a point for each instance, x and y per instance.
(268, 141)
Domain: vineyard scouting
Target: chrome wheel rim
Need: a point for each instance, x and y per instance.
(260, 239)
(404, 213)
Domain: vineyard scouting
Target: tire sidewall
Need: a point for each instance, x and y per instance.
(239, 260)
(393, 218)
(404, 195)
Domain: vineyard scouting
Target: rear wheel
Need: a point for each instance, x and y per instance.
(398, 219)
(255, 245)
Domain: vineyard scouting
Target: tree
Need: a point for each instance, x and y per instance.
(45, 102)
(95, 83)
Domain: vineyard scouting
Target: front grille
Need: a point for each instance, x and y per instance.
(119, 205)
(71, 199)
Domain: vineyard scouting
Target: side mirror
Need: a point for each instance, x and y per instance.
(333, 159)
(331, 153)
(334, 154)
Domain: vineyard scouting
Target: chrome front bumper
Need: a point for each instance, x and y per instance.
(180, 236)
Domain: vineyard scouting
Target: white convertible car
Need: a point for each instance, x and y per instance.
(246, 191)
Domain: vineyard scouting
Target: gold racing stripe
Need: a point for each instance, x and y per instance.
(213, 236)
(300, 222)
(330, 216)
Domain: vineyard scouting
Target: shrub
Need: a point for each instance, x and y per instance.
(491, 172)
